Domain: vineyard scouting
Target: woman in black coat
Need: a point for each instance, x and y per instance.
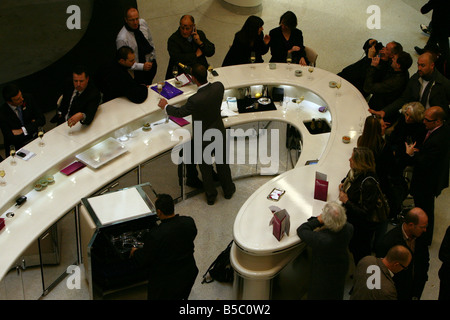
(249, 39)
(287, 39)
(358, 193)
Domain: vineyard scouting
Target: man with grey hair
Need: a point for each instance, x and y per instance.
(328, 235)
(373, 276)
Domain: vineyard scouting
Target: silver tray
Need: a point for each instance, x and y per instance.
(102, 153)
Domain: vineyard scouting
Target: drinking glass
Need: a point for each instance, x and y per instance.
(285, 104)
(41, 135)
(2, 175)
(311, 70)
(253, 58)
(210, 70)
(159, 87)
(175, 71)
(338, 86)
(12, 153)
(289, 60)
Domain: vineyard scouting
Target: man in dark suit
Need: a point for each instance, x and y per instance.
(431, 164)
(204, 106)
(20, 117)
(80, 100)
(117, 79)
(397, 259)
(188, 45)
(427, 85)
(168, 253)
(410, 281)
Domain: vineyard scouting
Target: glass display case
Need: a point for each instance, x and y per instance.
(110, 225)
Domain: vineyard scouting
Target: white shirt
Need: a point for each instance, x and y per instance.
(126, 38)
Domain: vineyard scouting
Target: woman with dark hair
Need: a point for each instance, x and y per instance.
(287, 39)
(358, 193)
(249, 39)
(390, 176)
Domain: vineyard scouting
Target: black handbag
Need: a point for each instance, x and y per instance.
(382, 209)
(220, 269)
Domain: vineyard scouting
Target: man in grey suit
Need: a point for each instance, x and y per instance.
(373, 276)
(204, 106)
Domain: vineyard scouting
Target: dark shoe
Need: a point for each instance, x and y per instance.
(419, 50)
(229, 195)
(194, 183)
(211, 200)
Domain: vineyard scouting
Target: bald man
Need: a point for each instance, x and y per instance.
(397, 259)
(136, 34)
(410, 281)
(427, 86)
(188, 45)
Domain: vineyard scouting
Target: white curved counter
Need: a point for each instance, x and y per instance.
(114, 118)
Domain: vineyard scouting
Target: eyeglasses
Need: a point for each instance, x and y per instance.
(429, 120)
(404, 268)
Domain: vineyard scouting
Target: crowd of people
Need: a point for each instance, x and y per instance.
(407, 130)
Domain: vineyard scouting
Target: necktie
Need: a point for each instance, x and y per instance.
(426, 93)
(426, 137)
(20, 114)
(77, 93)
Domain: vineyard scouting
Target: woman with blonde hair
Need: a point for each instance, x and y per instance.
(409, 128)
(358, 193)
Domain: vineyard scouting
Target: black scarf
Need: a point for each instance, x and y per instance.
(144, 46)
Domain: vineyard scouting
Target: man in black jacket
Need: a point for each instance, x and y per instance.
(427, 85)
(204, 106)
(188, 45)
(387, 86)
(410, 281)
(80, 100)
(20, 117)
(116, 80)
(168, 253)
(431, 164)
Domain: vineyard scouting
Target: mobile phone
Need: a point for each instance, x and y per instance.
(21, 154)
(194, 28)
(276, 194)
(214, 73)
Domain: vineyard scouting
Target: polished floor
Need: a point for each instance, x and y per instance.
(336, 30)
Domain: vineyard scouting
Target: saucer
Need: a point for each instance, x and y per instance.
(264, 101)
(147, 127)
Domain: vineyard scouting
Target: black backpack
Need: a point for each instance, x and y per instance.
(220, 269)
